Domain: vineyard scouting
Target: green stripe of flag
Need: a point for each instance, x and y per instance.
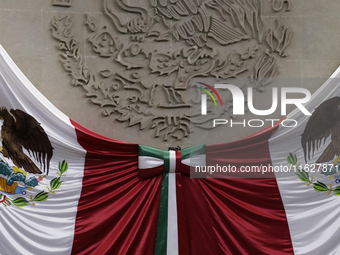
(166, 157)
(193, 151)
(150, 152)
(162, 223)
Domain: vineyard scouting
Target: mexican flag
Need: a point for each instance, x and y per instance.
(67, 190)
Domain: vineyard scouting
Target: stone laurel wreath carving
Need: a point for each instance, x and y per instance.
(152, 54)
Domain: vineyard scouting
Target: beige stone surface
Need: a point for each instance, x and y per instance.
(313, 55)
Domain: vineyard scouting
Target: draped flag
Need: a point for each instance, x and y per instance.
(152, 161)
(67, 190)
(310, 192)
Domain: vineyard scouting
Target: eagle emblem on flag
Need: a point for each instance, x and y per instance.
(323, 123)
(322, 174)
(25, 155)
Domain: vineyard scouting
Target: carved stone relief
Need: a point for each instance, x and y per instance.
(153, 52)
(63, 3)
(281, 5)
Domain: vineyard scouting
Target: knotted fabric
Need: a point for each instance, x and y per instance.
(171, 165)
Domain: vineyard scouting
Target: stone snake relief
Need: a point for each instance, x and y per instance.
(149, 53)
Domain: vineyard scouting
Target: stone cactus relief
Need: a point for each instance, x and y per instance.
(152, 51)
(63, 3)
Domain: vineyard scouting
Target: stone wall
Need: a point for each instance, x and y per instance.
(131, 70)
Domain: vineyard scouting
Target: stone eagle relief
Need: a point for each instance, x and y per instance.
(153, 50)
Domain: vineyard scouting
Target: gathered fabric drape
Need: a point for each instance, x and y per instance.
(103, 196)
(118, 212)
